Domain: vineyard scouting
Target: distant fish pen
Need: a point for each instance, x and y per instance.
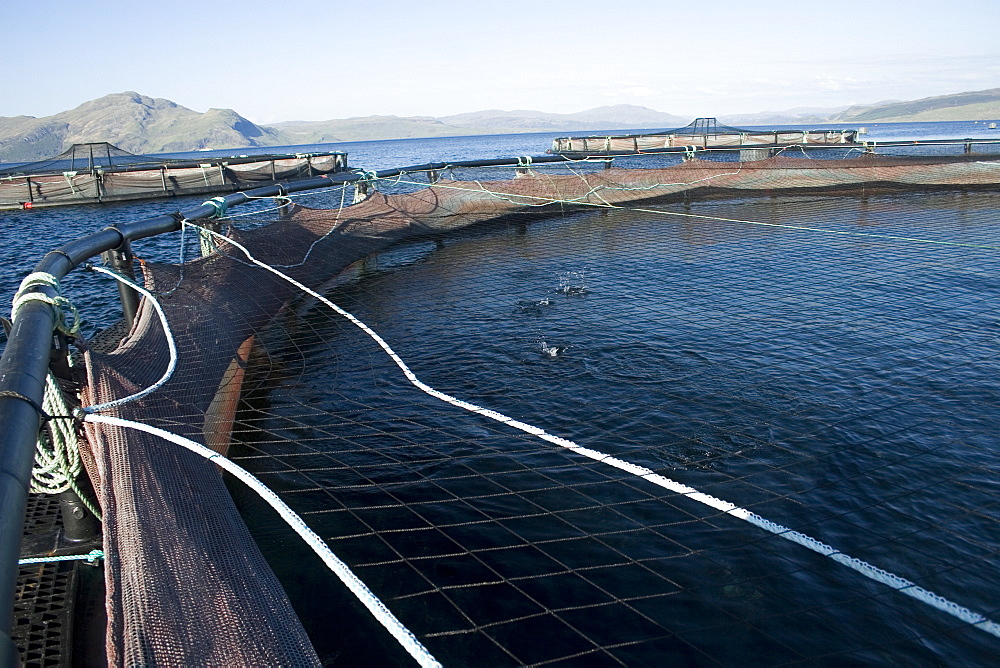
(702, 133)
(101, 172)
(482, 521)
(706, 134)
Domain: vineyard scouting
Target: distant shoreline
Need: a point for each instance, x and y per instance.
(144, 125)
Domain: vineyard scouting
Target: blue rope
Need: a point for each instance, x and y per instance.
(92, 557)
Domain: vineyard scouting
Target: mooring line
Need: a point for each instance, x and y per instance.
(896, 582)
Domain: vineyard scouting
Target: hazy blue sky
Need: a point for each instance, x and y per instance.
(314, 60)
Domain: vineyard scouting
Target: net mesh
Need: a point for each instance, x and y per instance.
(86, 156)
(824, 362)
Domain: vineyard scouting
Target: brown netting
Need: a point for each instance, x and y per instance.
(186, 584)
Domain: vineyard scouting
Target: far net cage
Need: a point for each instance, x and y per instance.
(87, 157)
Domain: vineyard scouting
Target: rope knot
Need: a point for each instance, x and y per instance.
(28, 292)
(219, 204)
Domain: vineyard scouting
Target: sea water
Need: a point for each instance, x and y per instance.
(841, 385)
(844, 385)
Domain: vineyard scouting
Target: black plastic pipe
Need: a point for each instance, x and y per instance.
(120, 260)
(23, 370)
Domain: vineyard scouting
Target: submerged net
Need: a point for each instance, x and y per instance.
(716, 420)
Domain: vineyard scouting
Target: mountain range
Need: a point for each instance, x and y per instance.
(142, 124)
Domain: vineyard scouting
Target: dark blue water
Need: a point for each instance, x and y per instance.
(844, 385)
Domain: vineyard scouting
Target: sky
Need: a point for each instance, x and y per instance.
(317, 60)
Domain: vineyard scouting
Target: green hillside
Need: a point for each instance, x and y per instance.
(970, 106)
(131, 121)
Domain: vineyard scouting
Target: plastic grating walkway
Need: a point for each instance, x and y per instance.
(43, 611)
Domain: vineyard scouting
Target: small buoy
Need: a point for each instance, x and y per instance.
(27, 205)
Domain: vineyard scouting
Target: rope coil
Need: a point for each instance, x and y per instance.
(57, 453)
(57, 459)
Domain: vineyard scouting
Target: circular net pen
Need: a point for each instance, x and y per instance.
(701, 413)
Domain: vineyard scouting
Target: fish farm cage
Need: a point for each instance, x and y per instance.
(101, 172)
(702, 133)
(686, 408)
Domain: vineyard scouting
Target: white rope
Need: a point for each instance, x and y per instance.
(898, 583)
(368, 599)
(171, 366)
(318, 545)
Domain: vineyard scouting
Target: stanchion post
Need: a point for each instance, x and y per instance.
(120, 259)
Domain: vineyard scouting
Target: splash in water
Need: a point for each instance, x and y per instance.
(573, 283)
(552, 351)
